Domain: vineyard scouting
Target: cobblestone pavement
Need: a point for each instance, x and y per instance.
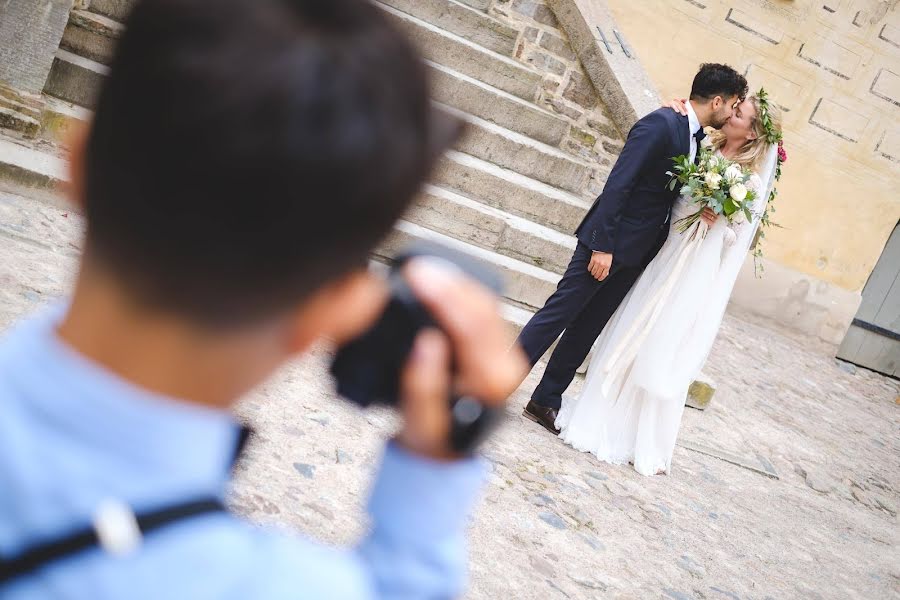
(556, 523)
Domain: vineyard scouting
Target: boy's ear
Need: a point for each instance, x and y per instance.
(339, 311)
(76, 141)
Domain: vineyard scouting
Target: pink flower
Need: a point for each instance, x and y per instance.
(782, 155)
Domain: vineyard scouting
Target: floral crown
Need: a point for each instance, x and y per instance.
(773, 135)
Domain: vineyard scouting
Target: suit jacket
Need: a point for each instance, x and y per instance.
(630, 218)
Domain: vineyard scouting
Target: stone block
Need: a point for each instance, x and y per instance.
(526, 284)
(890, 34)
(469, 23)
(478, 4)
(789, 93)
(468, 58)
(762, 28)
(523, 155)
(474, 97)
(700, 394)
(557, 45)
(465, 219)
(31, 31)
(889, 144)
(580, 90)
(886, 86)
(75, 79)
(537, 10)
(17, 121)
(583, 137)
(564, 109)
(510, 191)
(58, 116)
(91, 36)
(838, 120)
(603, 127)
(830, 56)
(621, 82)
(114, 9)
(544, 62)
(531, 34)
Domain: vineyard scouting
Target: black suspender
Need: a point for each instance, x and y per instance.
(40, 555)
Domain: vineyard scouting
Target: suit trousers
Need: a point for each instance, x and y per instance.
(581, 306)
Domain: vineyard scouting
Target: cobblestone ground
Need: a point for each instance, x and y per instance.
(555, 523)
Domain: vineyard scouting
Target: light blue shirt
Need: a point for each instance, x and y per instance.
(73, 434)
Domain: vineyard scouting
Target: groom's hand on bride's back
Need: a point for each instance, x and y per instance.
(600, 264)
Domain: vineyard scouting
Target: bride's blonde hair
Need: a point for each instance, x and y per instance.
(752, 153)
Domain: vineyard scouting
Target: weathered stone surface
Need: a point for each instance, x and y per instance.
(30, 31)
(545, 62)
(474, 97)
(580, 91)
(461, 55)
(564, 109)
(92, 36)
(511, 192)
(756, 519)
(622, 83)
(557, 45)
(306, 470)
(114, 9)
(464, 21)
(75, 79)
(700, 394)
(537, 10)
(465, 219)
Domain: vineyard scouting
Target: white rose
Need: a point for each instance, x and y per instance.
(706, 142)
(738, 191)
(733, 174)
(713, 180)
(738, 217)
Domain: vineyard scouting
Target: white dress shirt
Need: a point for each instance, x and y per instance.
(694, 127)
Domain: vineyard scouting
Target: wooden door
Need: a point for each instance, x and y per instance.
(873, 340)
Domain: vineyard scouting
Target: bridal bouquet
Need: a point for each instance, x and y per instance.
(713, 182)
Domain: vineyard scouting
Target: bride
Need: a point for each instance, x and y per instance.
(630, 407)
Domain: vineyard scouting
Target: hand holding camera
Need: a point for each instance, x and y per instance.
(440, 351)
(473, 336)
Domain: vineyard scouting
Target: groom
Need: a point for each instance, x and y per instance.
(621, 234)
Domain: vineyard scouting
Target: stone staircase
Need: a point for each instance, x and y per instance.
(512, 190)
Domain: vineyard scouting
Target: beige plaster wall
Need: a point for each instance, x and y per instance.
(834, 66)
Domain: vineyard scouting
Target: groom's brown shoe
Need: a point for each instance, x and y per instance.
(542, 415)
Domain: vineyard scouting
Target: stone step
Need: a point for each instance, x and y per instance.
(91, 36)
(522, 154)
(478, 4)
(114, 9)
(510, 191)
(460, 91)
(464, 21)
(75, 79)
(468, 58)
(58, 116)
(465, 219)
(22, 166)
(525, 284)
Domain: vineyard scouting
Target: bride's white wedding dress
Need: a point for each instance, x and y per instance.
(630, 407)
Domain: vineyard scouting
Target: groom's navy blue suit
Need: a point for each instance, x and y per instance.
(630, 219)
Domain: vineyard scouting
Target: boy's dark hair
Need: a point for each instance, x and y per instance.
(714, 79)
(245, 152)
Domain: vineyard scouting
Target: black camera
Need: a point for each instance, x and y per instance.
(367, 369)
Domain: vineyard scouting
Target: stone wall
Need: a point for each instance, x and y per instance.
(566, 89)
(834, 67)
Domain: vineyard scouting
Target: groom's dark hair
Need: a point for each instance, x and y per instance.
(246, 152)
(714, 79)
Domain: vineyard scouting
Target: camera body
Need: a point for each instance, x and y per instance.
(367, 369)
